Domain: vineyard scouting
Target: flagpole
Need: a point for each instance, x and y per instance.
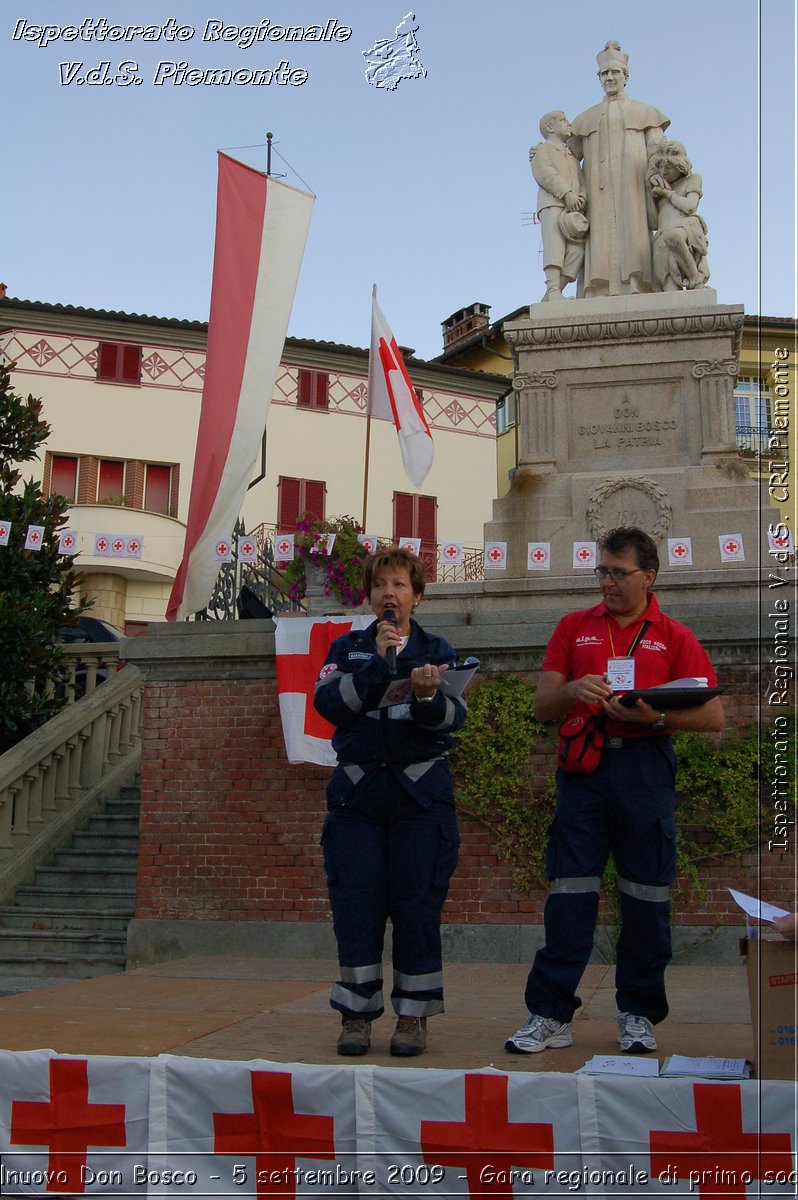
(368, 418)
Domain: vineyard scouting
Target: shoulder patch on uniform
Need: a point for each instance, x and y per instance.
(327, 669)
(359, 654)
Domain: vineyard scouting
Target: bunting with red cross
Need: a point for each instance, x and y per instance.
(71, 1126)
(475, 1134)
(717, 1139)
(302, 644)
(257, 1128)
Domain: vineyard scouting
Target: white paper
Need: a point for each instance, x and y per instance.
(710, 1068)
(759, 909)
(614, 1064)
(453, 683)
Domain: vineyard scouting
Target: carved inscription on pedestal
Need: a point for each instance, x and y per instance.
(614, 425)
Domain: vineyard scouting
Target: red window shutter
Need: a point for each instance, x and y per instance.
(403, 514)
(315, 494)
(427, 519)
(313, 389)
(64, 476)
(156, 489)
(131, 364)
(305, 389)
(110, 484)
(288, 500)
(322, 398)
(106, 360)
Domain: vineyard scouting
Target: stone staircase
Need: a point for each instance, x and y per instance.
(71, 922)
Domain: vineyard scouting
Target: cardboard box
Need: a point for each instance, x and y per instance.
(772, 989)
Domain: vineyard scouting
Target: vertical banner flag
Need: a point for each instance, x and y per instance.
(261, 227)
(392, 397)
(302, 644)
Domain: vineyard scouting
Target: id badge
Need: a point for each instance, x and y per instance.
(621, 674)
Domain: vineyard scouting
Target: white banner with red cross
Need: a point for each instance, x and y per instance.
(186, 1126)
(301, 644)
(71, 1125)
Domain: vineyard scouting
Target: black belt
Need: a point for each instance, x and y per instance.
(624, 743)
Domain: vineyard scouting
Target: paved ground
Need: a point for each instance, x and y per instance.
(241, 1009)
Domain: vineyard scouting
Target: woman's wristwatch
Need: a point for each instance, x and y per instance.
(660, 723)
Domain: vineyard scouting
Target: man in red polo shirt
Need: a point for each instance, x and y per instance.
(624, 807)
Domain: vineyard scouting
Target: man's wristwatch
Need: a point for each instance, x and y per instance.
(660, 723)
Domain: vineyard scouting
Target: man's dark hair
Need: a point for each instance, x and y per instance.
(392, 556)
(629, 537)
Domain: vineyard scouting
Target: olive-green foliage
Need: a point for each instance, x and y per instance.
(494, 777)
(719, 782)
(35, 585)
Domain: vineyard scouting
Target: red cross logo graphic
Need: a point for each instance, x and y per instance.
(368, 545)
(102, 544)
(248, 548)
(584, 553)
(67, 1124)
(680, 550)
(133, 547)
(495, 554)
(731, 547)
(781, 540)
(284, 547)
(4, 531)
(538, 555)
(719, 1153)
(222, 548)
(69, 541)
(299, 672)
(34, 537)
(274, 1133)
(118, 545)
(451, 551)
(487, 1138)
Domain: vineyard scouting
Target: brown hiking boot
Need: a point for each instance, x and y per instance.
(355, 1037)
(409, 1037)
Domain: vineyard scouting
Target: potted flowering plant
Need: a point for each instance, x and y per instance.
(341, 568)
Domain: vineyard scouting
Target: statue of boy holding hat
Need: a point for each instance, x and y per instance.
(561, 204)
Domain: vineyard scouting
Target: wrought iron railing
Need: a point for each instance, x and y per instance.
(752, 440)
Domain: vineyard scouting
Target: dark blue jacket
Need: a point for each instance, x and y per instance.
(412, 740)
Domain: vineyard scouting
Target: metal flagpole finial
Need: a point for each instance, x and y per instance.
(269, 153)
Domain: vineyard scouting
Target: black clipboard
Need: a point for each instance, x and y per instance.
(665, 697)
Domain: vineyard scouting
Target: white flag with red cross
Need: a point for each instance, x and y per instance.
(538, 556)
(412, 545)
(780, 540)
(102, 545)
(68, 541)
(369, 542)
(585, 555)
(118, 547)
(5, 532)
(247, 549)
(731, 547)
(284, 547)
(258, 1128)
(72, 1125)
(495, 556)
(34, 537)
(134, 546)
(302, 644)
(223, 550)
(392, 397)
(451, 554)
(680, 552)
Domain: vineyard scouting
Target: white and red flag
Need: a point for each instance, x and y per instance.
(67, 541)
(261, 227)
(680, 552)
(34, 537)
(392, 397)
(302, 644)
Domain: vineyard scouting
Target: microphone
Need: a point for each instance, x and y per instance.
(390, 654)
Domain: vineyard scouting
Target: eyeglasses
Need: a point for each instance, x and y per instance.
(617, 573)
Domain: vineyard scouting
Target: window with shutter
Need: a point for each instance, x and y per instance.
(417, 517)
(64, 476)
(118, 363)
(295, 496)
(313, 389)
(110, 480)
(157, 488)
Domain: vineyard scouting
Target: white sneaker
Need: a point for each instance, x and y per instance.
(635, 1034)
(539, 1033)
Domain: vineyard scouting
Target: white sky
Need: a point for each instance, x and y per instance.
(109, 192)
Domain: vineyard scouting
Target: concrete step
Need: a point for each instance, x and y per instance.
(93, 899)
(50, 943)
(99, 859)
(68, 919)
(99, 841)
(85, 877)
(114, 825)
(59, 966)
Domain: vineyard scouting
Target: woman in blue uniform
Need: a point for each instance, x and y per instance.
(390, 837)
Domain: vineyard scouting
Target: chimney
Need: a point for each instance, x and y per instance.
(464, 323)
(2, 291)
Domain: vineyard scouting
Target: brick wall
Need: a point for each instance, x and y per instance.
(230, 830)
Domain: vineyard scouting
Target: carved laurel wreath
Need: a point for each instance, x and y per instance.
(648, 487)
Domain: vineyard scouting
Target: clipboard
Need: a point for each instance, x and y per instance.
(671, 697)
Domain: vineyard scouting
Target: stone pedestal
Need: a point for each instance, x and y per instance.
(626, 417)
